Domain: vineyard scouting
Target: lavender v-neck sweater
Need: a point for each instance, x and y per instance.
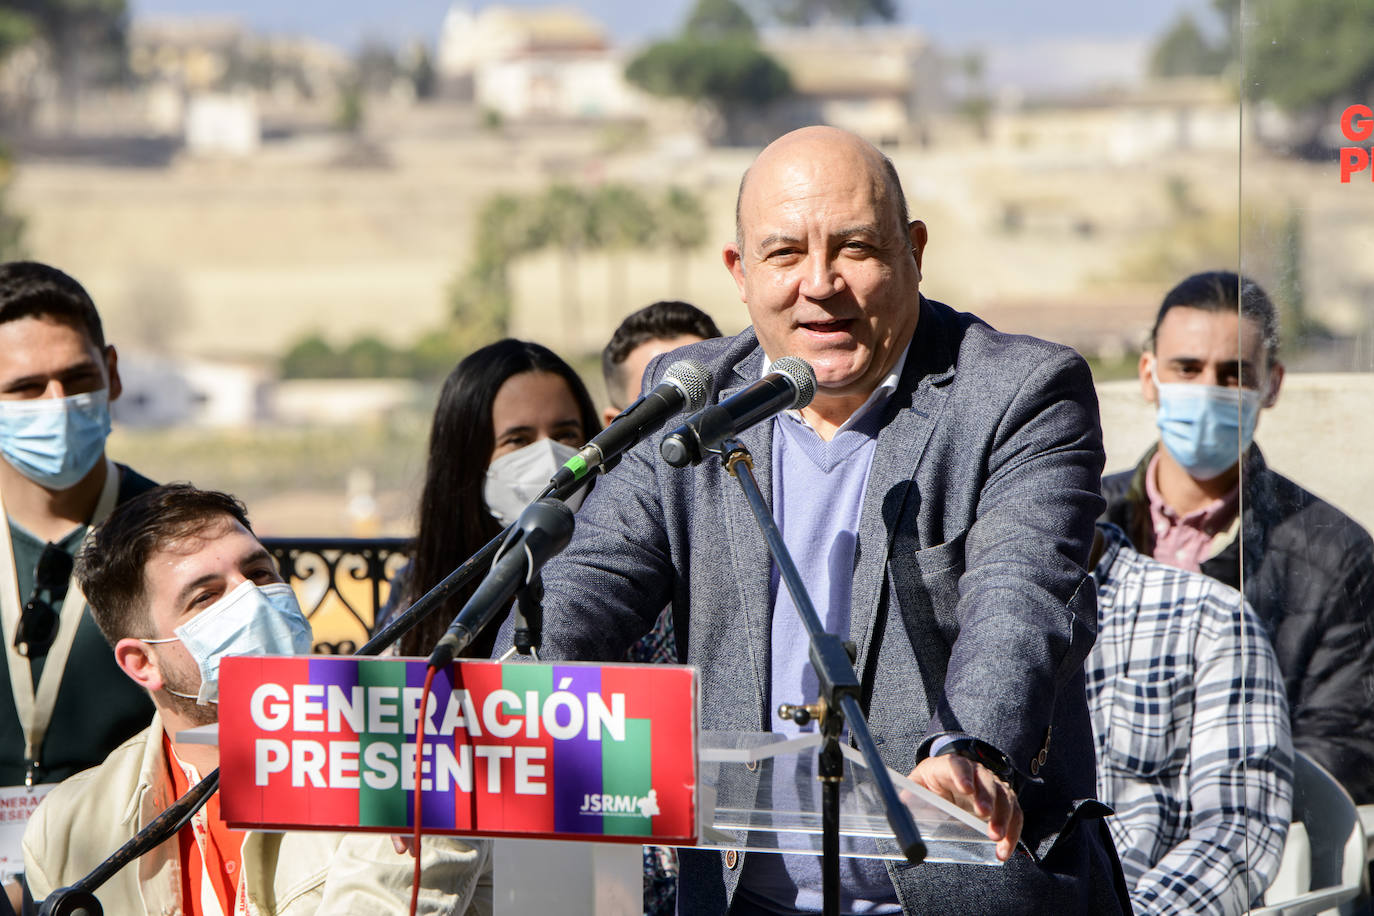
(818, 490)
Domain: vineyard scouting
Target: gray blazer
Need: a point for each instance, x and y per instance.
(972, 607)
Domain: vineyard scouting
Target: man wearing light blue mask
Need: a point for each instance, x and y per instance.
(178, 581)
(57, 378)
(1206, 501)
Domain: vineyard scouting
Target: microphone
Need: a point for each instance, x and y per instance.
(541, 532)
(683, 388)
(790, 383)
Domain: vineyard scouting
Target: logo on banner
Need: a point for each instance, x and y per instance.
(1357, 124)
(620, 804)
(529, 749)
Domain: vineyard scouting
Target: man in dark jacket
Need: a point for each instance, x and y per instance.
(1308, 568)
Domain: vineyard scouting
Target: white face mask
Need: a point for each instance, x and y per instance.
(250, 620)
(516, 478)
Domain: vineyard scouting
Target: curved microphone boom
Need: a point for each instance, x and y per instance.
(543, 529)
(683, 388)
(789, 385)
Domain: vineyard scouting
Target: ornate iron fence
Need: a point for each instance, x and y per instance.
(341, 583)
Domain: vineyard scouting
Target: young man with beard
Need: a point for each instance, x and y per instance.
(177, 580)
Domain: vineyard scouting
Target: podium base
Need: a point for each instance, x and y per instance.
(548, 876)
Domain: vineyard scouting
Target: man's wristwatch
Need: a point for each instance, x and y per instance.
(990, 757)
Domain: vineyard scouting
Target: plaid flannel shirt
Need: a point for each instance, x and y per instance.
(1198, 771)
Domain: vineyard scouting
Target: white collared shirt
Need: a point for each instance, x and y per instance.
(879, 396)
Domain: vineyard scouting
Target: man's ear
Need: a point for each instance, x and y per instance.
(112, 369)
(734, 262)
(916, 231)
(137, 660)
(1147, 383)
(608, 414)
(1271, 395)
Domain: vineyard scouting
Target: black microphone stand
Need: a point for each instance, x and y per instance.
(837, 705)
(78, 899)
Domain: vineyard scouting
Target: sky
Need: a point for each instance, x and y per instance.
(348, 22)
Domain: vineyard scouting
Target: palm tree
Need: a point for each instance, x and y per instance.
(564, 220)
(682, 228)
(622, 220)
(480, 295)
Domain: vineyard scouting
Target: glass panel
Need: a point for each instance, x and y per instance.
(1307, 563)
(760, 791)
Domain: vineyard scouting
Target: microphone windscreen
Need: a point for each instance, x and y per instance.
(802, 376)
(689, 377)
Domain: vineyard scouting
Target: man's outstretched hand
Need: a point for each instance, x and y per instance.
(974, 788)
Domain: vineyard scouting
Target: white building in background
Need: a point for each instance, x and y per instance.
(342, 401)
(162, 391)
(882, 82)
(167, 391)
(548, 63)
(223, 124)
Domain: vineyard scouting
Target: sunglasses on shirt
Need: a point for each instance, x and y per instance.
(39, 619)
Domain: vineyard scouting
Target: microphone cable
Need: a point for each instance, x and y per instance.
(418, 813)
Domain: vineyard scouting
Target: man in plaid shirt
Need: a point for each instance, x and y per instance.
(1191, 724)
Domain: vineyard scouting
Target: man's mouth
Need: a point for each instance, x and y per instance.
(832, 326)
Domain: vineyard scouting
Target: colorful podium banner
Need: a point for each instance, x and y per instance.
(603, 752)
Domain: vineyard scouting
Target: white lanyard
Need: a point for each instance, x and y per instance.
(209, 897)
(35, 713)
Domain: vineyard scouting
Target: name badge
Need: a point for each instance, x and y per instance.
(17, 804)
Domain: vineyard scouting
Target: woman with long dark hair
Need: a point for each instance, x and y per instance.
(508, 416)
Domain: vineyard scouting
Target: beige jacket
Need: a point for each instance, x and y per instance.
(93, 813)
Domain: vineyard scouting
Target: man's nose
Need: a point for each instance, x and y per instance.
(820, 279)
(55, 389)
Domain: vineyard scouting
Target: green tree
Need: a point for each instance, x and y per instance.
(480, 298)
(16, 30)
(372, 357)
(622, 220)
(420, 69)
(975, 103)
(716, 19)
(310, 357)
(565, 221)
(88, 38)
(681, 228)
(732, 75)
(846, 12)
(351, 111)
(1310, 54)
(376, 67)
(1185, 51)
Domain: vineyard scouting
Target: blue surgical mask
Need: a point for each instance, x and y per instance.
(250, 620)
(55, 441)
(1206, 428)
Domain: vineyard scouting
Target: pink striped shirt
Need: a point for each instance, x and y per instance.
(1185, 541)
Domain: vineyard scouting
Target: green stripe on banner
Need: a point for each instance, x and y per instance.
(627, 773)
(519, 679)
(384, 806)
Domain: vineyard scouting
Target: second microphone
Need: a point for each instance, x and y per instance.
(789, 385)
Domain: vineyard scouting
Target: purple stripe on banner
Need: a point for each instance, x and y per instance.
(336, 672)
(577, 760)
(438, 811)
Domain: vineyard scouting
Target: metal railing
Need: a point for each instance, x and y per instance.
(341, 583)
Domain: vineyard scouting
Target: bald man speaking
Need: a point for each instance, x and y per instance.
(938, 495)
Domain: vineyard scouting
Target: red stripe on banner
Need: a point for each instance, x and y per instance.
(659, 699)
